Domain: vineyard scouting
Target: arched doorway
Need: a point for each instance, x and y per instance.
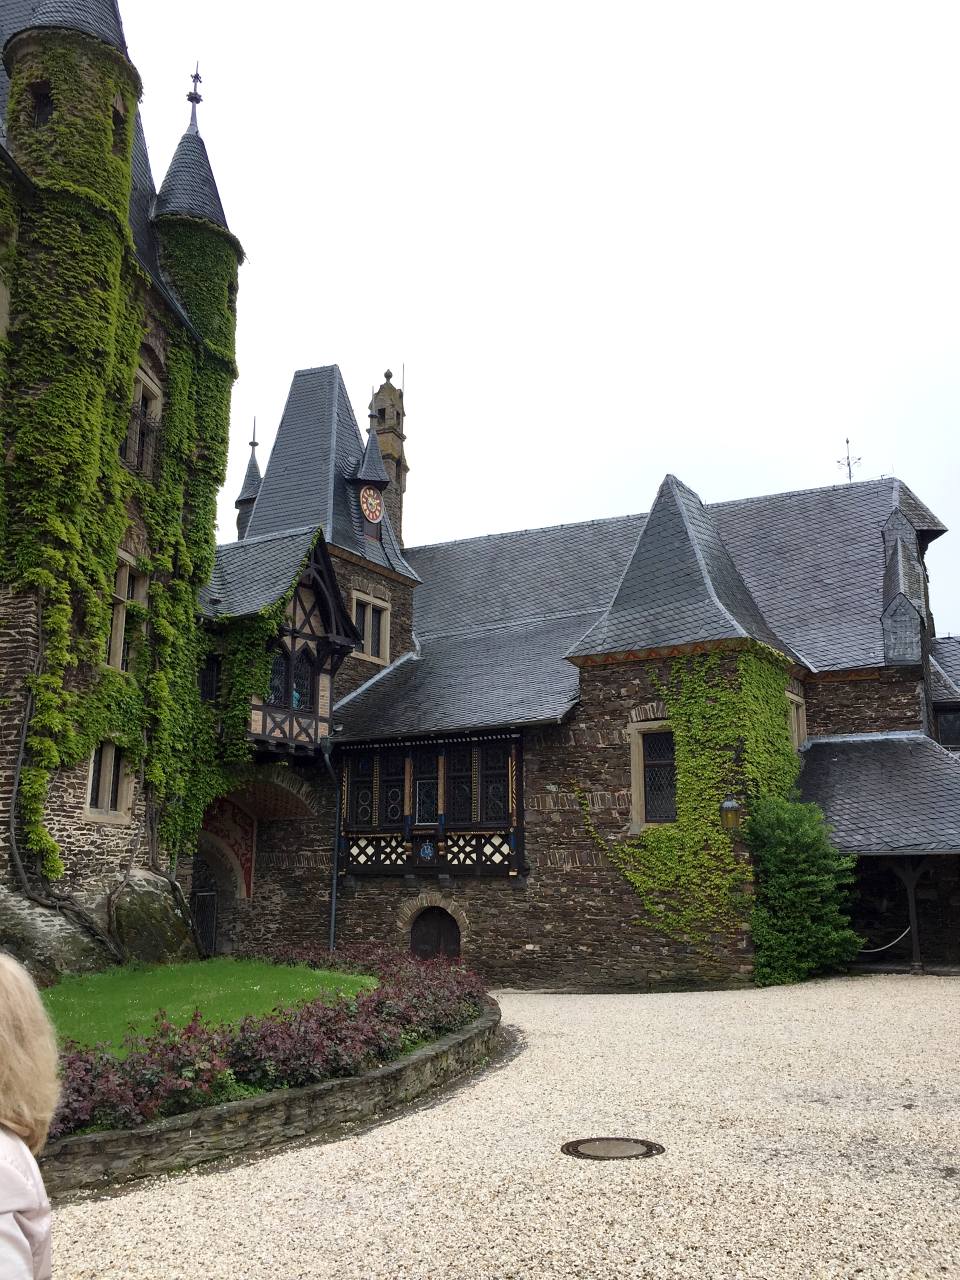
(435, 933)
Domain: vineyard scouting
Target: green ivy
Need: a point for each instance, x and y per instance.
(78, 306)
(728, 717)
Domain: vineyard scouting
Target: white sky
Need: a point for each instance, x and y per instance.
(608, 241)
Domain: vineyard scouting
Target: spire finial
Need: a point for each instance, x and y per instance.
(193, 97)
(253, 442)
(388, 375)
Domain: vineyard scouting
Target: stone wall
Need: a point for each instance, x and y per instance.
(870, 701)
(573, 921)
(270, 1120)
(353, 575)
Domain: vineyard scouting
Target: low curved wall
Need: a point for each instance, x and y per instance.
(94, 1160)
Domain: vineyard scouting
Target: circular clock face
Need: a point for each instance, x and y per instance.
(371, 503)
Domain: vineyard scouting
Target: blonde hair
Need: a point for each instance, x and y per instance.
(29, 1087)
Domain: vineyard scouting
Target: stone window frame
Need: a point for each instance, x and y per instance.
(122, 816)
(121, 597)
(372, 602)
(636, 730)
(796, 719)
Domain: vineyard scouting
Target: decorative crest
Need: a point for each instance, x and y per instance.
(194, 97)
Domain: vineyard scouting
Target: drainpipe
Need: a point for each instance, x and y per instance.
(326, 747)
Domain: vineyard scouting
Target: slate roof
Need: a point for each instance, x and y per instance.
(252, 479)
(885, 793)
(680, 586)
(98, 18)
(315, 457)
(371, 469)
(256, 572)
(189, 188)
(516, 595)
(945, 668)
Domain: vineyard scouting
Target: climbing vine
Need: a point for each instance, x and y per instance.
(66, 499)
(728, 718)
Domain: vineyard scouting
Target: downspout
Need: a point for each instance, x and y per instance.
(326, 747)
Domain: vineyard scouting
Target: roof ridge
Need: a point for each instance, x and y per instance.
(268, 537)
(517, 533)
(532, 619)
(797, 493)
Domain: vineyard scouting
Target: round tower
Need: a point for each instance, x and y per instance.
(199, 253)
(73, 100)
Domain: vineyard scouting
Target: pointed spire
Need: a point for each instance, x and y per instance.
(371, 469)
(97, 18)
(680, 588)
(250, 488)
(189, 189)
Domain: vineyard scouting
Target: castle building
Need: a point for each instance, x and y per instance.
(316, 733)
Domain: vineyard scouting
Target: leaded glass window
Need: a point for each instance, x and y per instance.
(279, 678)
(360, 806)
(304, 682)
(425, 787)
(494, 784)
(659, 778)
(460, 785)
(391, 788)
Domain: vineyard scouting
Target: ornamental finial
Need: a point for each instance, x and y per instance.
(388, 375)
(193, 97)
(253, 442)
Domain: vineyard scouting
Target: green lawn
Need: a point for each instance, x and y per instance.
(100, 1008)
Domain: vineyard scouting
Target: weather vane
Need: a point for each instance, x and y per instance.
(848, 463)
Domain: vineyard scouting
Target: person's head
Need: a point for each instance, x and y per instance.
(29, 1087)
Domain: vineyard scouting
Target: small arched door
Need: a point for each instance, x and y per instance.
(435, 933)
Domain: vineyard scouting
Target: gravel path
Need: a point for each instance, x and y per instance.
(810, 1132)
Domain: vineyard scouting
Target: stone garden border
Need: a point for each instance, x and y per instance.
(99, 1160)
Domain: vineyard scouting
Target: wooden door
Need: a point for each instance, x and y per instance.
(435, 933)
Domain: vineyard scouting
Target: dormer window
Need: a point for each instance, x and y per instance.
(42, 104)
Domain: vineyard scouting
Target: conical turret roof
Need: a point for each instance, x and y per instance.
(371, 469)
(681, 587)
(98, 18)
(189, 189)
(252, 480)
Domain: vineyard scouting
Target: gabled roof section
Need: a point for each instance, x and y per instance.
(252, 574)
(371, 469)
(314, 459)
(97, 18)
(189, 189)
(885, 792)
(681, 587)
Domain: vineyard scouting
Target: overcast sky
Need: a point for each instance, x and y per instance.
(607, 241)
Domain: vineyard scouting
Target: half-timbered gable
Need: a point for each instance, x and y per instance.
(293, 715)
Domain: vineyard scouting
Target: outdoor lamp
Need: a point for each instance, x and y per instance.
(731, 812)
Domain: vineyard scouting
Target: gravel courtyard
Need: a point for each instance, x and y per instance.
(810, 1131)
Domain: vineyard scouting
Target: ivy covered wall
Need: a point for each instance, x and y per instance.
(80, 308)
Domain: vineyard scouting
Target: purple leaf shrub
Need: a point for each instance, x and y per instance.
(174, 1069)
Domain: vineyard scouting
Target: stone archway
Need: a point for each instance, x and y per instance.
(414, 907)
(435, 933)
(217, 888)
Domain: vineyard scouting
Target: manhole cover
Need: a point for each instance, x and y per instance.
(611, 1148)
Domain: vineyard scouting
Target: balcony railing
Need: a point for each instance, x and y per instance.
(481, 853)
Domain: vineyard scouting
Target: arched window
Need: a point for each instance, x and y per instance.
(304, 682)
(279, 678)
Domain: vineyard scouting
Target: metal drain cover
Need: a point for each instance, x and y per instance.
(611, 1148)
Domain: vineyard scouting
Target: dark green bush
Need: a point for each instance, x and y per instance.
(801, 922)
